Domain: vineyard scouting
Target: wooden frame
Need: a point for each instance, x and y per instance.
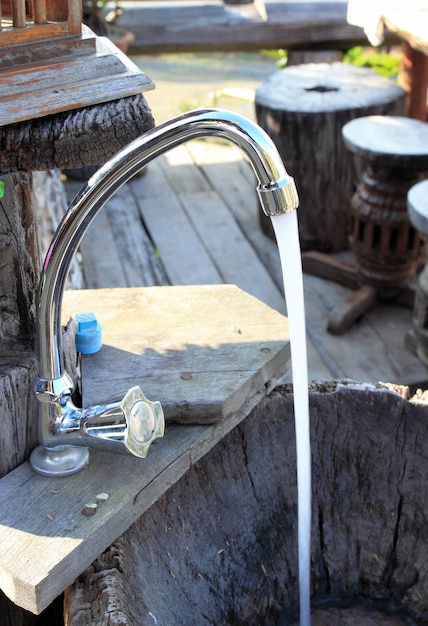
(26, 21)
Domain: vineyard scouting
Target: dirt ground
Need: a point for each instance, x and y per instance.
(188, 81)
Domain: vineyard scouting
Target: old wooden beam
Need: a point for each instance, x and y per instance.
(72, 139)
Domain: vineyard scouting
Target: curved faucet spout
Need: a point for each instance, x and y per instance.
(276, 191)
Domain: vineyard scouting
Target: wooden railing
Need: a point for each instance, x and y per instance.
(24, 21)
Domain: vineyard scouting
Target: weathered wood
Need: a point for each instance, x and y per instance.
(136, 251)
(18, 409)
(213, 25)
(58, 85)
(20, 264)
(220, 546)
(21, 54)
(180, 249)
(207, 217)
(352, 309)
(304, 108)
(69, 140)
(45, 541)
(50, 205)
(373, 348)
(222, 351)
(331, 268)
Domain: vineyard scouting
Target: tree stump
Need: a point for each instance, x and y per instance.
(303, 108)
(220, 547)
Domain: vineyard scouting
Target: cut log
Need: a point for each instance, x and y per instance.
(220, 547)
(303, 108)
(75, 138)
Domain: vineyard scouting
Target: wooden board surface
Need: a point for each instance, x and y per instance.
(46, 541)
(204, 352)
(233, 350)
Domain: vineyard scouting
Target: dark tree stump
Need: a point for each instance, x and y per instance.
(221, 546)
(303, 108)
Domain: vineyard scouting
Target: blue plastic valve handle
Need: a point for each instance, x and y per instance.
(89, 335)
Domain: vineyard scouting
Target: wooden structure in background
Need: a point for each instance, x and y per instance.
(411, 25)
(303, 108)
(23, 22)
(212, 25)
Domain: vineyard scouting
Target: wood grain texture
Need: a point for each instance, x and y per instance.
(372, 350)
(69, 140)
(221, 545)
(19, 265)
(203, 351)
(214, 25)
(60, 85)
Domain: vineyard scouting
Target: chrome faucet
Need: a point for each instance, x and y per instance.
(129, 423)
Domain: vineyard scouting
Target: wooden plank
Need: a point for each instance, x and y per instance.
(178, 167)
(220, 163)
(181, 251)
(185, 260)
(183, 26)
(223, 238)
(45, 541)
(101, 262)
(22, 54)
(136, 251)
(392, 323)
(202, 350)
(218, 229)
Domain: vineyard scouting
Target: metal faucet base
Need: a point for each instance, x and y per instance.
(59, 461)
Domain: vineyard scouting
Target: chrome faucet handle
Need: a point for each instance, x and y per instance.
(125, 423)
(145, 422)
(132, 422)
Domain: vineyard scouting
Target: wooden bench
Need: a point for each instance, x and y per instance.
(211, 25)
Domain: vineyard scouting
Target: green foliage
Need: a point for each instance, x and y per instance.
(281, 57)
(381, 62)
